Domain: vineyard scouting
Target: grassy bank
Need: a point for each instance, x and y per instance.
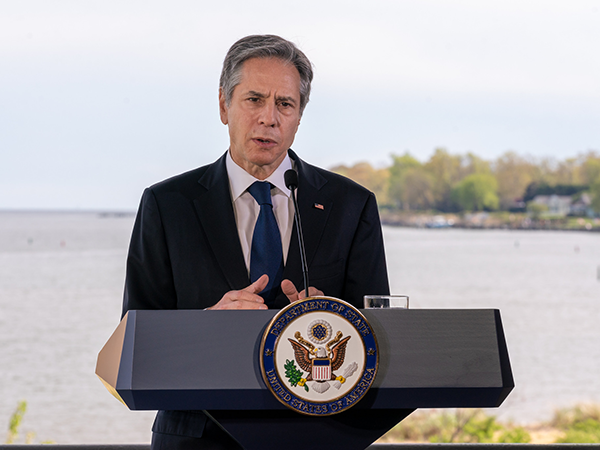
(578, 424)
(485, 220)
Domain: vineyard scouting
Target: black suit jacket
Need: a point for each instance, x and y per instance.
(185, 251)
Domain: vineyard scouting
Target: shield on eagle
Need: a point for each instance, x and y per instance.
(321, 369)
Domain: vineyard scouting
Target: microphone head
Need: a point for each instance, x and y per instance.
(291, 179)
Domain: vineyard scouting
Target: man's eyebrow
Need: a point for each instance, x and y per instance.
(256, 94)
(278, 98)
(285, 99)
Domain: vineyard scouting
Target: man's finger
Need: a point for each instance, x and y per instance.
(288, 288)
(313, 292)
(258, 285)
(246, 304)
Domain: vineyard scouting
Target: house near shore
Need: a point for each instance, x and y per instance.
(563, 205)
(583, 206)
(558, 205)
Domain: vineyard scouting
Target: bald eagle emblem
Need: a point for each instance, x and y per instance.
(320, 357)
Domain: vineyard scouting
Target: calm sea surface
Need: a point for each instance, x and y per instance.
(61, 281)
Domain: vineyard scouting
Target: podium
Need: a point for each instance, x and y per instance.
(209, 360)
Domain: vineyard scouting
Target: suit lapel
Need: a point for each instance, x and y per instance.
(217, 219)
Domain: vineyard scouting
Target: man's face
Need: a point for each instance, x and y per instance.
(263, 116)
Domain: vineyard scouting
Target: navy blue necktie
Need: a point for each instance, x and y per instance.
(266, 255)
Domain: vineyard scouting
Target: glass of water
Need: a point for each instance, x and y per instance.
(386, 301)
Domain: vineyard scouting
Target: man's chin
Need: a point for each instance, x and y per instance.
(267, 158)
(259, 162)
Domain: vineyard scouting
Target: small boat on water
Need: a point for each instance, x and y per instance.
(439, 222)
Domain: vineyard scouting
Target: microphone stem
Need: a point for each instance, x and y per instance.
(300, 242)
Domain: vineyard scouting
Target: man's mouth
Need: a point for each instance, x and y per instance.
(264, 142)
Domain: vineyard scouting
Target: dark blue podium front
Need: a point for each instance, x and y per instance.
(208, 360)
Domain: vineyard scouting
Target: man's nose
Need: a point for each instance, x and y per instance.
(269, 115)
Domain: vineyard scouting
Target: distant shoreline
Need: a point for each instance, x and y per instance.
(100, 212)
(487, 221)
(398, 218)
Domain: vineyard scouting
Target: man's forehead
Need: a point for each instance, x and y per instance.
(258, 74)
(258, 61)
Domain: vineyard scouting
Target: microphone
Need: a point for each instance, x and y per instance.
(291, 182)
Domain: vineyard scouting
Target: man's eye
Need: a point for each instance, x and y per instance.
(285, 104)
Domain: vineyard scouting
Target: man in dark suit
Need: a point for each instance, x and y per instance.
(194, 244)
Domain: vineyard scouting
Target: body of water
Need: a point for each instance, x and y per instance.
(61, 282)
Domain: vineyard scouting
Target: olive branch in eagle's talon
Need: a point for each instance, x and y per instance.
(293, 375)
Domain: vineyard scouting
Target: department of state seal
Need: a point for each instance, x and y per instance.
(319, 356)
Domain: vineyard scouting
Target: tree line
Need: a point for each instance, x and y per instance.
(454, 183)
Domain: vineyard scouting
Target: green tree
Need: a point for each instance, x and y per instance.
(416, 189)
(567, 172)
(513, 174)
(589, 168)
(399, 191)
(547, 168)
(553, 172)
(401, 163)
(477, 192)
(595, 192)
(445, 171)
(473, 164)
(376, 180)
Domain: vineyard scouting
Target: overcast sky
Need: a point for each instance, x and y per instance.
(99, 99)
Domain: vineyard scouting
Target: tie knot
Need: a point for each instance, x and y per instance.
(261, 191)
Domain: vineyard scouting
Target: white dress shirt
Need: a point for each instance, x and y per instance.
(246, 209)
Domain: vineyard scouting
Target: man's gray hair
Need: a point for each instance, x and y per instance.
(264, 46)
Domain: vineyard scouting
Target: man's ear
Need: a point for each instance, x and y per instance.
(222, 107)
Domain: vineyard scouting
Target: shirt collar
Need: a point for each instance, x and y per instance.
(240, 180)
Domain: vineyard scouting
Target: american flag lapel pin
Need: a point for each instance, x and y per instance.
(319, 206)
